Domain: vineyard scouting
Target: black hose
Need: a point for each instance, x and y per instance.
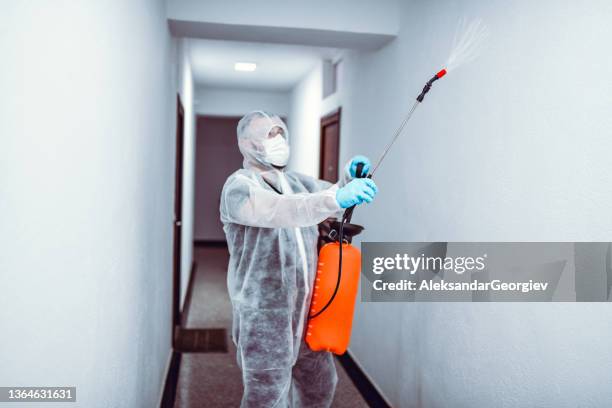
(346, 217)
(331, 299)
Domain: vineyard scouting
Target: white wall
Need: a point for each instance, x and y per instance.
(304, 126)
(307, 109)
(235, 102)
(512, 147)
(86, 180)
(185, 87)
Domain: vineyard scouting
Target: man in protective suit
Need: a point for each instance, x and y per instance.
(270, 218)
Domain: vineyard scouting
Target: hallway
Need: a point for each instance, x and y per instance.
(213, 379)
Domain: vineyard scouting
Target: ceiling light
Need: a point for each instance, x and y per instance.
(245, 66)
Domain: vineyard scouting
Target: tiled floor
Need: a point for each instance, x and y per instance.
(213, 379)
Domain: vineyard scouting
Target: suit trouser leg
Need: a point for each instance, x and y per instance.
(314, 379)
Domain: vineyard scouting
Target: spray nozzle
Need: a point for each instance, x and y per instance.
(427, 86)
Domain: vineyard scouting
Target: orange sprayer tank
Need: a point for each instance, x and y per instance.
(331, 330)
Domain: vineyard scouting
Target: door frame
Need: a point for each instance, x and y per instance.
(327, 120)
(178, 218)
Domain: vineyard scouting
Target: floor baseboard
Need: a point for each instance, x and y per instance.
(171, 382)
(367, 390)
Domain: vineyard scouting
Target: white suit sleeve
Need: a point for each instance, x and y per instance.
(244, 201)
(313, 184)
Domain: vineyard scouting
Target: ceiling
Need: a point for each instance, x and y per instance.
(279, 66)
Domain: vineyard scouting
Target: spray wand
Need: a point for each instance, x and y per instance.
(419, 99)
(348, 214)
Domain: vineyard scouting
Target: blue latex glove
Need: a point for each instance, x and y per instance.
(356, 192)
(352, 166)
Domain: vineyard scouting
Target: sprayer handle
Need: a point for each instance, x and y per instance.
(348, 213)
(358, 170)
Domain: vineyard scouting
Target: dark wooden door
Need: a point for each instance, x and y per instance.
(178, 218)
(217, 156)
(330, 147)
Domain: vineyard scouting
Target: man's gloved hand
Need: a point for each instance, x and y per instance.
(352, 166)
(357, 191)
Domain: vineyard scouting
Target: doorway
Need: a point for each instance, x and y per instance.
(330, 147)
(217, 157)
(178, 218)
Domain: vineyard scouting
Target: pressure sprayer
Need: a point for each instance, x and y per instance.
(335, 288)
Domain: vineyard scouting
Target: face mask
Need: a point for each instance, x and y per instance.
(276, 151)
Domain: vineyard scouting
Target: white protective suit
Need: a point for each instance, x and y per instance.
(270, 219)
